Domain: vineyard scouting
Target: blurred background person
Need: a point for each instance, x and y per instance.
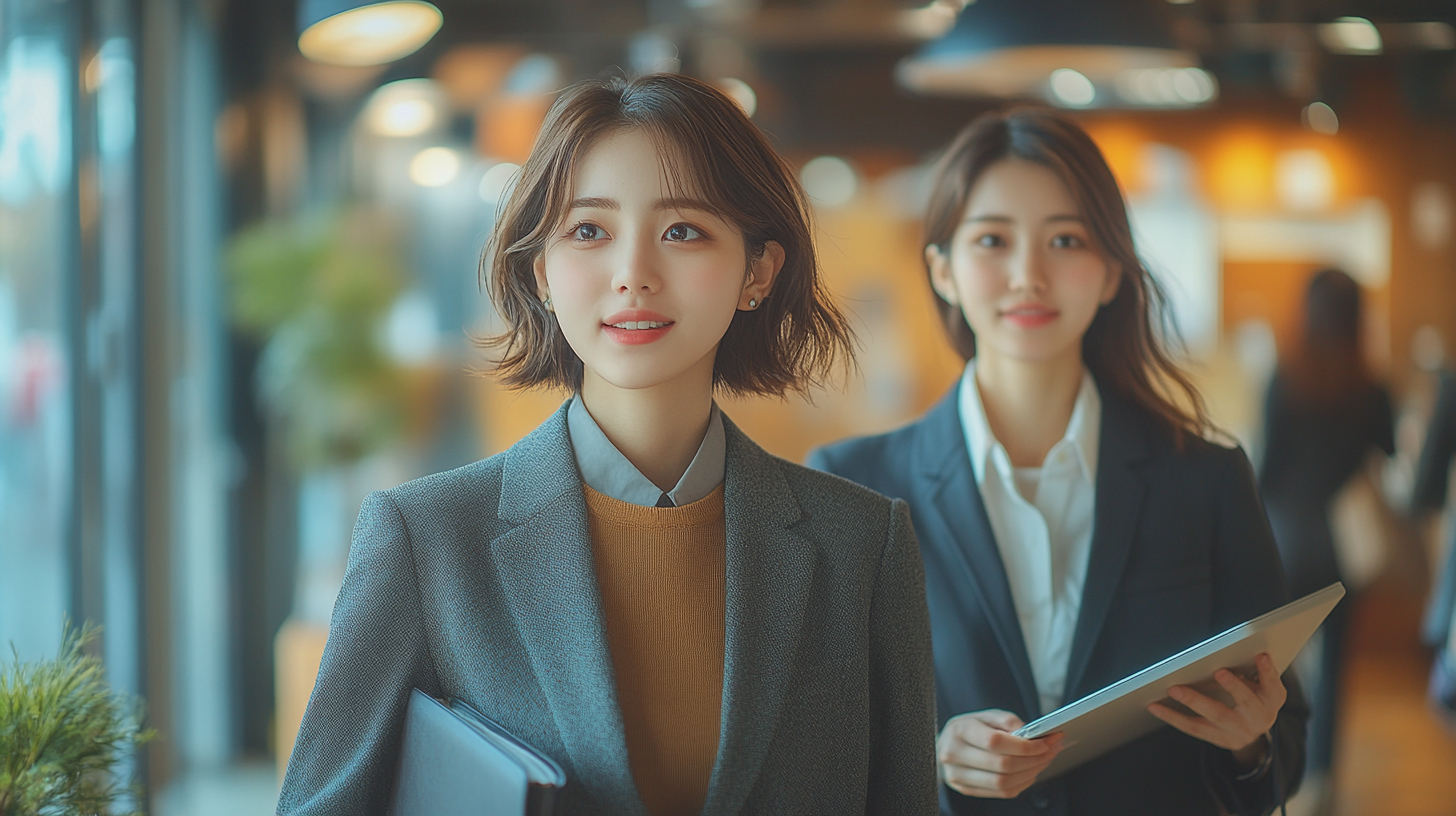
(1324, 415)
(1430, 494)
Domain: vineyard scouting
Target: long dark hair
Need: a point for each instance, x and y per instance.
(1124, 347)
(1327, 366)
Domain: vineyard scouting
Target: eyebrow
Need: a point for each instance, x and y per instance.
(598, 203)
(1008, 219)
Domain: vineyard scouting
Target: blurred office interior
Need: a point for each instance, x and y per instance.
(238, 283)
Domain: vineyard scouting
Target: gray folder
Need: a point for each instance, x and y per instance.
(1118, 714)
(455, 762)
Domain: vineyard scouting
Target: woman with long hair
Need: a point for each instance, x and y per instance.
(1323, 416)
(1075, 524)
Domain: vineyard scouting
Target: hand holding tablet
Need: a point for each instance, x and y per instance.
(1240, 728)
(1207, 674)
(980, 756)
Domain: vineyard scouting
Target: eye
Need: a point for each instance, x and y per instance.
(1067, 241)
(586, 232)
(682, 232)
(989, 240)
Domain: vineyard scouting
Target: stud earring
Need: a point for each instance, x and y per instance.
(547, 304)
(753, 303)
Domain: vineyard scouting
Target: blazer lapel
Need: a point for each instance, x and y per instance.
(546, 570)
(943, 459)
(770, 570)
(1120, 491)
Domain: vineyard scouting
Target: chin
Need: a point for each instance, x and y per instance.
(638, 374)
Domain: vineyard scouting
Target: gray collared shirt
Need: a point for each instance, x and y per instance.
(604, 469)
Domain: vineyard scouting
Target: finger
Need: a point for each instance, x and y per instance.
(990, 786)
(1271, 685)
(955, 751)
(1201, 704)
(1002, 742)
(1245, 695)
(999, 719)
(972, 758)
(973, 730)
(1195, 727)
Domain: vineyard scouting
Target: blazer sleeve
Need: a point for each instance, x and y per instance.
(902, 679)
(1249, 581)
(344, 759)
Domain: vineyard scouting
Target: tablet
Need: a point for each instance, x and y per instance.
(1118, 714)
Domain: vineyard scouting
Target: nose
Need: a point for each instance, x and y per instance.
(637, 268)
(1027, 270)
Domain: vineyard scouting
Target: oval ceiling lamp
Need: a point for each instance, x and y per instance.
(349, 32)
(1017, 48)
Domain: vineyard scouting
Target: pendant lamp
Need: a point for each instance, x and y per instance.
(349, 32)
(1075, 52)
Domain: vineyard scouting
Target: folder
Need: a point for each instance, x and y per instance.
(1118, 714)
(455, 762)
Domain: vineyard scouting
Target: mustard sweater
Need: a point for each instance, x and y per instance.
(663, 587)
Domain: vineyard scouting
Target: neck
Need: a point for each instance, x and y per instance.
(660, 428)
(1028, 402)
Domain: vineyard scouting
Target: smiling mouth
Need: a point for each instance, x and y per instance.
(638, 325)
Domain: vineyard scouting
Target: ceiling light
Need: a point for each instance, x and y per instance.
(1321, 118)
(347, 32)
(497, 183)
(829, 181)
(434, 167)
(407, 107)
(1010, 48)
(1350, 35)
(1166, 87)
(740, 92)
(1072, 88)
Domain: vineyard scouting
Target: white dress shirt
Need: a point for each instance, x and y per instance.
(1042, 520)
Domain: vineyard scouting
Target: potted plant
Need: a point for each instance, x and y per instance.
(63, 734)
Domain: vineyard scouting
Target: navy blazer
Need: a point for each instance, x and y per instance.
(479, 584)
(1181, 550)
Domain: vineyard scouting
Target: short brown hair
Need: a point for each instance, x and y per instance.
(1123, 347)
(790, 343)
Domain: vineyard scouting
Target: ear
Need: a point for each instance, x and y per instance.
(538, 266)
(941, 279)
(1111, 285)
(762, 274)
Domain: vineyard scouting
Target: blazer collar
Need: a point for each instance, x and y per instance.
(770, 571)
(1123, 444)
(546, 568)
(1121, 488)
(942, 459)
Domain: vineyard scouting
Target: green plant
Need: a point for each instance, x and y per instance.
(317, 289)
(62, 733)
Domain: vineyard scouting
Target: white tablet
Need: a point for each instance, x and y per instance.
(1118, 714)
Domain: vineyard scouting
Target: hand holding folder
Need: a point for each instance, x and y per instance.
(455, 762)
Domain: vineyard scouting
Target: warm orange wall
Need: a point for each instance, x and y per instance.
(1381, 151)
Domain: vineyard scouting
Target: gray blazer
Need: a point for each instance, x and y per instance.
(478, 584)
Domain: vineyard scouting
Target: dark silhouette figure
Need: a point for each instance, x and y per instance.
(1323, 416)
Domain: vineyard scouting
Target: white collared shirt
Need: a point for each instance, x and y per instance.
(1042, 520)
